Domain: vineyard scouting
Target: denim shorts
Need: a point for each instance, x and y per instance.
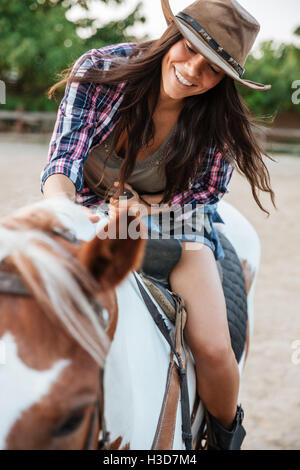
(206, 234)
(211, 237)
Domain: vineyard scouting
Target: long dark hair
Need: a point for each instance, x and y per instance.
(218, 117)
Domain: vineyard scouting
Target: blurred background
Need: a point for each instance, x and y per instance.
(40, 38)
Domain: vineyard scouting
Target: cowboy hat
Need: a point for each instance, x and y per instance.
(222, 31)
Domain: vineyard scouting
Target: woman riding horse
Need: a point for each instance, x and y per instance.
(164, 120)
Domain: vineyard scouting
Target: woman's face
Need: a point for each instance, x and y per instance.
(183, 63)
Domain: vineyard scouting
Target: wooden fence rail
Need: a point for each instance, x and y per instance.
(21, 117)
(32, 119)
(27, 116)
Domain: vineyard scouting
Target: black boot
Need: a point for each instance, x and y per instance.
(219, 438)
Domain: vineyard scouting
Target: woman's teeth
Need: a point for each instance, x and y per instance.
(182, 79)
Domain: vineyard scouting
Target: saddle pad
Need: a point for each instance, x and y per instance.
(160, 258)
(235, 296)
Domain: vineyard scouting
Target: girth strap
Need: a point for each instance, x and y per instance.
(158, 319)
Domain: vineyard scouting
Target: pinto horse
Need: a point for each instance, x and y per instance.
(78, 347)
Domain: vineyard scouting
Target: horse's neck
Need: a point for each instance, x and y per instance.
(135, 371)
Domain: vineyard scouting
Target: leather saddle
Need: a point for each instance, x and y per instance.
(160, 258)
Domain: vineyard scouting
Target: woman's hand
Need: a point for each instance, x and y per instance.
(132, 204)
(155, 201)
(138, 206)
(123, 202)
(90, 214)
(153, 198)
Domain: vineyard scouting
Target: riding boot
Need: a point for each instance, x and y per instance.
(219, 438)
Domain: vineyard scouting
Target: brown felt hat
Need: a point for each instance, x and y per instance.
(222, 31)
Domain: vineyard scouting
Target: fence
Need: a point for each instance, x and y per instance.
(276, 139)
(31, 120)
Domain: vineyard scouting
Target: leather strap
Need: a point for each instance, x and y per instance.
(164, 436)
(92, 435)
(103, 442)
(175, 351)
(179, 344)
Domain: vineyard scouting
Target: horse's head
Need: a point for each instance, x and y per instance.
(58, 314)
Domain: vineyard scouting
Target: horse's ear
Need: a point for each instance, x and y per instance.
(113, 253)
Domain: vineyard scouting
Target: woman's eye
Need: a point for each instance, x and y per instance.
(189, 48)
(194, 52)
(214, 71)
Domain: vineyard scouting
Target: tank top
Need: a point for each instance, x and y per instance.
(148, 176)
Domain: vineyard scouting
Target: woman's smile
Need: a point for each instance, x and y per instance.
(181, 79)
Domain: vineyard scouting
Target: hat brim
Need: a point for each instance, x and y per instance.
(204, 49)
(198, 42)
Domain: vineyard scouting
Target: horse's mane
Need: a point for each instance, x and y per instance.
(56, 279)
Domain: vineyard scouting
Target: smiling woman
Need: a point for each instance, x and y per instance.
(184, 68)
(165, 119)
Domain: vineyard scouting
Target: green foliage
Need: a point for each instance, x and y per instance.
(297, 31)
(278, 66)
(38, 41)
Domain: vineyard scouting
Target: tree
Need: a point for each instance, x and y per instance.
(278, 66)
(38, 41)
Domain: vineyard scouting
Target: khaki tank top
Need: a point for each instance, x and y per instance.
(147, 177)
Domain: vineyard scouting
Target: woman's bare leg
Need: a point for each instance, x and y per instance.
(196, 278)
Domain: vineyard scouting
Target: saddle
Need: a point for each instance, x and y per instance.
(160, 258)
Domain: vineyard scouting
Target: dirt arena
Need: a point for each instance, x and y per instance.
(270, 391)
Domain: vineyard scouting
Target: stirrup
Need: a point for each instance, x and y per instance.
(219, 438)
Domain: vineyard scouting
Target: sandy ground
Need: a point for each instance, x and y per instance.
(270, 391)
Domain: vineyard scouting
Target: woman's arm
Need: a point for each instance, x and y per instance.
(59, 185)
(72, 137)
(81, 108)
(86, 110)
(212, 187)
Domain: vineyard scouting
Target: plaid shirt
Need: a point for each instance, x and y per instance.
(86, 116)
